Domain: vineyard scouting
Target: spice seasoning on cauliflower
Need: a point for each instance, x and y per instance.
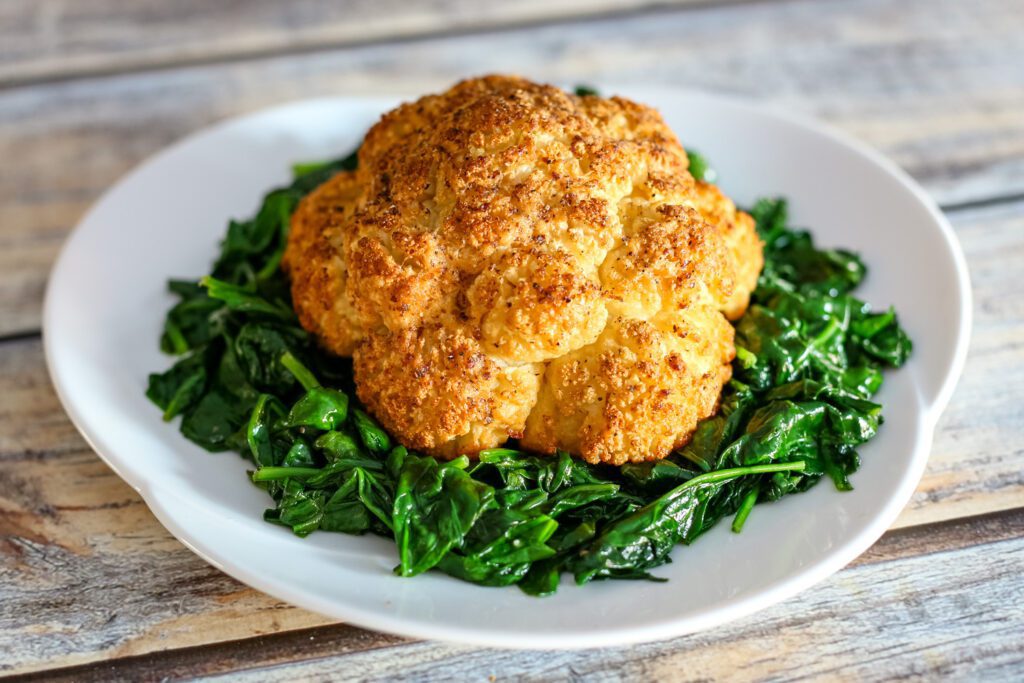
(511, 261)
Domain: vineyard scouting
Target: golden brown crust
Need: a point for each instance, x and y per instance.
(436, 388)
(638, 392)
(513, 261)
(534, 304)
(740, 236)
(316, 260)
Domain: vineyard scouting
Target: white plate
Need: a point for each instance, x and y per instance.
(107, 298)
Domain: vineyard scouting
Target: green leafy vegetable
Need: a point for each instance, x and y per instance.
(371, 434)
(242, 300)
(643, 539)
(436, 505)
(699, 167)
(180, 387)
(809, 358)
(320, 408)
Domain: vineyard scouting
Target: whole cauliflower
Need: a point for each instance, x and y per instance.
(511, 261)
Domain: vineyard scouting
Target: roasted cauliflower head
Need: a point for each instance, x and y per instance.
(512, 261)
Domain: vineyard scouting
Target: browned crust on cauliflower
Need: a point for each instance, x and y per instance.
(513, 261)
(316, 260)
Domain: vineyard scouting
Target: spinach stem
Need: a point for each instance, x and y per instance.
(306, 378)
(299, 170)
(275, 473)
(745, 507)
(178, 342)
(733, 472)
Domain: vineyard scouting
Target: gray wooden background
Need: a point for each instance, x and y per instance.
(93, 588)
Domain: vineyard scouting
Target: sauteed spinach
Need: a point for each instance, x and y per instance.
(249, 379)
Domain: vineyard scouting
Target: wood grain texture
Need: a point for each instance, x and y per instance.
(913, 619)
(86, 571)
(335, 640)
(933, 83)
(48, 39)
(978, 453)
(90, 580)
(122, 586)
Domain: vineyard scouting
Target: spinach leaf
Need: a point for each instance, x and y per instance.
(436, 504)
(320, 408)
(243, 300)
(699, 167)
(215, 421)
(179, 388)
(371, 434)
(260, 430)
(641, 540)
(192, 323)
(260, 348)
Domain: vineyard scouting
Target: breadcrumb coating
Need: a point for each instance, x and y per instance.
(512, 261)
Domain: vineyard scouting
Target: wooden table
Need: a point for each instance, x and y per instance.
(92, 587)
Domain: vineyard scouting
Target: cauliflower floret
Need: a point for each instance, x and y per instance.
(317, 262)
(511, 261)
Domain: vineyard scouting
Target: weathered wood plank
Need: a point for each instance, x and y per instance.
(934, 84)
(61, 507)
(206, 660)
(913, 617)
(48, 39)
(978, 453)
(88, 573)
(945, 536)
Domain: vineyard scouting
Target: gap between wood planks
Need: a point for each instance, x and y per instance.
(144, 64)
(983, 203)
(340, 639)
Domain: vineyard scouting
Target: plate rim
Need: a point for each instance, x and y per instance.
(800, 579)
